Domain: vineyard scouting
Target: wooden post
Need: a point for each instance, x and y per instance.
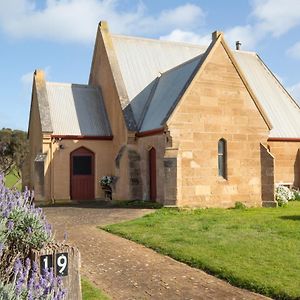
(65, 261)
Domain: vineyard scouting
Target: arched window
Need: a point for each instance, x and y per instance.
(222, 166)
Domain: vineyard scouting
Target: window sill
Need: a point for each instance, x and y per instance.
(222, 179)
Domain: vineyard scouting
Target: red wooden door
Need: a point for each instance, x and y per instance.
(152, 174)
(82, 174)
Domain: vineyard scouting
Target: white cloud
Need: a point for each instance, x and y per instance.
(294, 51)
(277, 16)
(295, 91)
(76, 20)
(27, 78)
(245, 34)
(274, 17)
(187, 36)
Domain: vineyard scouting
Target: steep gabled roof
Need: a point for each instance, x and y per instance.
(282, 110)
(142, 61)
(168, 90)
(77, 110)
(67, 109)
(153, 92)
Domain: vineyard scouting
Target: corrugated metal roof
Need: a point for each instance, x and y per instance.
(141, 60)
(77, 110)
(282, 111)
(167, 93)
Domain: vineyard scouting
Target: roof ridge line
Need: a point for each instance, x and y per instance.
(158, 40)
(198, 67)
(182, 64)
(70, 83)
(148, 102)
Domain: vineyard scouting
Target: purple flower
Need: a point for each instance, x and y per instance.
(34, 267)
(19, 286)
(10, 225)
(28, 263)
(17, 266)
(29, 296)
(5, 213)
(30, 283)
(29, 230)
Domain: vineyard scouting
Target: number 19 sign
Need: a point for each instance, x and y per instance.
(61, 263)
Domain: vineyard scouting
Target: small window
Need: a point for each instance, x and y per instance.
(222, 158)
(82, 165)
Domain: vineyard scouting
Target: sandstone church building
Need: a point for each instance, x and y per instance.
(176, 123)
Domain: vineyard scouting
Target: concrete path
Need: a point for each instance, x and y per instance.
(126, 270)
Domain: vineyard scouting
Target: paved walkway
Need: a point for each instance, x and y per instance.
(126, 270)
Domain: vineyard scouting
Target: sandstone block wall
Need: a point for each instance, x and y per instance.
(57, 168)
(144, 144)
(287, 162)
(33, 170)
(267, 177)
(217, 105)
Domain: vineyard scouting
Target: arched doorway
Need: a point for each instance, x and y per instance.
(152, 174)
(82, 174)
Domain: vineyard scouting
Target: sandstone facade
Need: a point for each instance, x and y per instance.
(216, 102)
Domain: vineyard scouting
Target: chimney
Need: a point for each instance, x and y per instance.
(238, 45)
(215, 35)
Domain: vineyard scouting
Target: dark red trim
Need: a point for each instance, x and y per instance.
(150, 132)
(275, 139)
(81, 137)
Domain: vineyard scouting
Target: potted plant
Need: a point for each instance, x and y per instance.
(106, 184)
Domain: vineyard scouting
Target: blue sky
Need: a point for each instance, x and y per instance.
(58, 36)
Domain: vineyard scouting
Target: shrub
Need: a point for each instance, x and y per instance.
(28, 284)
(296, 195)
(283, 195)
(239, 205)
(23, 227)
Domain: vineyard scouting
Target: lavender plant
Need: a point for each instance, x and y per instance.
(28, 284)
(23, 227)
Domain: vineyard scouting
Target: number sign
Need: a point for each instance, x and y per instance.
(62, 264)
(46, 263)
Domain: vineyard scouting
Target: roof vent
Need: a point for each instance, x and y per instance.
(238, 45)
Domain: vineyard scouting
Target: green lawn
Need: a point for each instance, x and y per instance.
(89, 292)
(258, 249)
(11, 180)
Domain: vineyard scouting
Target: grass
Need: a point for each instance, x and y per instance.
(12, 180)
(132, 204)
(89, 292)
(135, 204)
(257, 249)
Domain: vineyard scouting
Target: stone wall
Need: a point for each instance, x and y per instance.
(57, 166)
(104, 74)
(218, 105)
(267, 177)
(287, 161)
(31, 170)
(144, 144)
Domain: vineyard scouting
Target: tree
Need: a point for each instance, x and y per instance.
(13, 150)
